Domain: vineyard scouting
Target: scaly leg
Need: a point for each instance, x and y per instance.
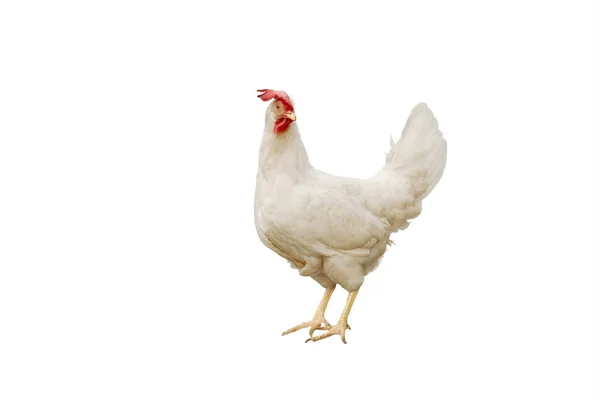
(342, 324)
(319, 317)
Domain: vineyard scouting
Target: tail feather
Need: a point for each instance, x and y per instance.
(413, 167)
(421, 147)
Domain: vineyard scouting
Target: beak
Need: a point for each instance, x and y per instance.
(290, 115)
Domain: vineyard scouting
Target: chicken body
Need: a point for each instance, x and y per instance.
(336, 229)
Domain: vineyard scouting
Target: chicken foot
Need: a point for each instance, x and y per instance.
(318, 322)
(342, 324)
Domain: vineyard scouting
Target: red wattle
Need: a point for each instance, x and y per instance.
(281, 125)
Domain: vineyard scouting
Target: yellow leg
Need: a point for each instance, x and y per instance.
(319, 317)
(342, 324)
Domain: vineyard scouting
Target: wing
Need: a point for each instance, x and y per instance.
(328, 215)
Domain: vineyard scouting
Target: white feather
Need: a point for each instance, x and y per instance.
(336, 229)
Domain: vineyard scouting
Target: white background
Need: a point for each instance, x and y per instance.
(130, 270)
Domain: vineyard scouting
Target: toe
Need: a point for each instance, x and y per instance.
(318, 328)
(318, 338)
(296, 328)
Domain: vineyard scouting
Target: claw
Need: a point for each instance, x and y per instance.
(314, 325)
(339, 329)
(342, 324)
(318, 322)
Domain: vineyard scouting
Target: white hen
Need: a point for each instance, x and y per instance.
(336, 229)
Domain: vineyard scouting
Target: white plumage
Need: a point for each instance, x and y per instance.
(336, 229)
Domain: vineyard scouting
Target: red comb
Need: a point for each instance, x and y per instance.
(268, 94)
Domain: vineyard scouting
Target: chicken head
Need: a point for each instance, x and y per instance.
(281, 109)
